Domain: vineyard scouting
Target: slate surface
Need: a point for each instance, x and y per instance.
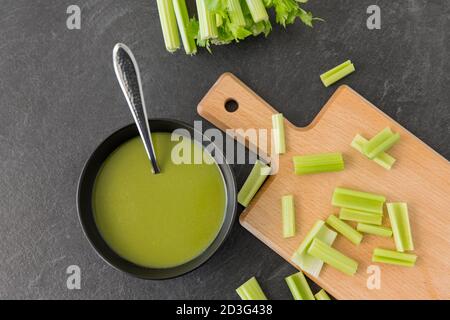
(59, 99)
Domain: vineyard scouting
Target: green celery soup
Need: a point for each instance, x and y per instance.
(162, 220)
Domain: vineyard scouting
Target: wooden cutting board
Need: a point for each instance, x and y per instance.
(421, 177)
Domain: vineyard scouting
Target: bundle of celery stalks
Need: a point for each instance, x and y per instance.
(220, 22)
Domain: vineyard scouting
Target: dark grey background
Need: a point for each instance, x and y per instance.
(59, 99)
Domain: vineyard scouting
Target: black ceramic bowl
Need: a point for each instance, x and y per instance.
(86, 215)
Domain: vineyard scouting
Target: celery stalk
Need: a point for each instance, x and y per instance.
(254, 181)
(398, 215)
(383, 159)
(316, 163)
(344, 229)
(322, 295)
(182, 16)
(168, 25)
(384, 140)
(251, 290)
(235, 13)
(302, 259)
(337, 73)
(278, 132)
(360, 216)
(363, 201)
(288, 215)
(299, 287)
(332, 257)
(257, 10)
(394, 257)
(207, 21)
(375, 230)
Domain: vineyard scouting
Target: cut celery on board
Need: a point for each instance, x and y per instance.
(332, 257)
(337, 73)
(399, 217)
(299, 287)
(381, 142)
(254, 181)
(394, 257)
(343, 228)
(322, 295)
(278, 133)
(302, 259)
(383, 159)
(317, 163)
(357, 200)
(288, 216)
(251, 290)
(360, 216)
(375, 230)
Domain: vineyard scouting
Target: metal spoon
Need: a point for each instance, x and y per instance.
(127, 72)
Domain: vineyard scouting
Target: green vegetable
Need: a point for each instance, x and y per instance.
(254, 181)
(380, 143)
(375, 230)
(257, 10)
(235, 12)
(184, 26)
(394, 257)
(301, 258)
(299, 287)
(383, 159)
(344, 229)
(363, 201)
(288, 213)
(317, 163)
(168, 25)
(398, 215)
(251, 290)
(337, 73)
(322, 295)
(332, 257)
(360, 216)
(278, 132)
(207, 21)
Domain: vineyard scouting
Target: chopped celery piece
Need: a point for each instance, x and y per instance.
(207, 21)
(384, 140)
(299, 287)
(383, 159)
(375, 230)
(168, 25)
(251, 290)
(360, 216)
(288, 213)
(254, 181)
(346, 198)
(278, 132)
(398, 215)
(257, 10)
(317, 163)
(322, 295)
(306, 262)
(182, 16)
(235, 13)
(394, 257)
(332, 257)
(344, 229)
(337, 73)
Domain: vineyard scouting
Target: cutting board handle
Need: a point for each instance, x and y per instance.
(230, 104)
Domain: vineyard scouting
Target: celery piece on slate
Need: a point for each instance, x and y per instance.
(337, 73)
(299, 287)
(251, 290)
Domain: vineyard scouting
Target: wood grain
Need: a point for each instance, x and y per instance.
(421, 177)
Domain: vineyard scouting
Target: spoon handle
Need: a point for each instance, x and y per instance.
(127, 72)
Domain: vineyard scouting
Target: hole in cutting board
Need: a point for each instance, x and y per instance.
(231, 105)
